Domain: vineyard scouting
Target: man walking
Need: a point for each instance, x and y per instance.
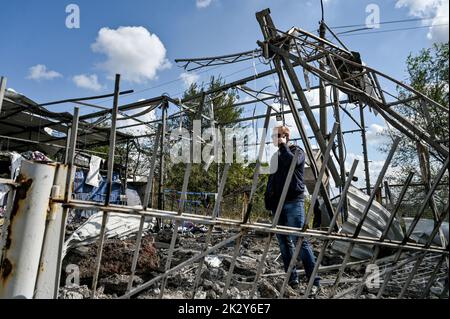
(293, 211)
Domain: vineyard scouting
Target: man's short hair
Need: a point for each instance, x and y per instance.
(283, 130)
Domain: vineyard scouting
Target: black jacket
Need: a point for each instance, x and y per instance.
(277, 179)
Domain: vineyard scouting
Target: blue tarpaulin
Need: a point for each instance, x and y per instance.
(84, 191)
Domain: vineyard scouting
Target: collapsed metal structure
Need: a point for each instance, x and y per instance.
(336, 67)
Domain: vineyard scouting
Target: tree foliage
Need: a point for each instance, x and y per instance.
(206, 180)
(428, 73)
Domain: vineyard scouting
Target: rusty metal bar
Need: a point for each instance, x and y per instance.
(148, 189)
(164, 107)
(67, 146)
(210, 228)
(149, 186)
(340, 142)
(310, 116)
(86, 98)
(343, 57)
(323, 112)
(364, 148)
(335, 36)
(187, 175)
(267, 28)
(70, 161)
(237, 248)
(112, 139)
(302, 130)
(50, 144)
(109, 177)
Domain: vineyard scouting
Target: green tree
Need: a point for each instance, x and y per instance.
(428, 74)
(201, 180)
(223, 112)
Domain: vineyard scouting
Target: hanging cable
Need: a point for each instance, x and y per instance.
(383, 22)
(349, 33)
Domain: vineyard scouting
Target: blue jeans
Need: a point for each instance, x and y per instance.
(293, 215)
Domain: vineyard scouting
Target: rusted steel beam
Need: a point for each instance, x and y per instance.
(109, 176)
(25, 227)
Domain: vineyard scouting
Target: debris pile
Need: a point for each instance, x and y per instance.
(116, 264)
(117, 257)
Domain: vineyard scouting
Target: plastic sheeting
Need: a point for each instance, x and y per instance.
(93, 177)
(373, 226)
(84, 191)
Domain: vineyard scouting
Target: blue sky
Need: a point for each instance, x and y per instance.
(34, 34)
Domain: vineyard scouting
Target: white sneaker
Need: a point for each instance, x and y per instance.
(314, 291)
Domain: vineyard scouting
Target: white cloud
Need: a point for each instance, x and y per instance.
(189, 78)
(86, 81)
(133, 52)
(374, 134)
(313, 97)
(246, 98)
(203, 3)
(375, 167)
(40, 72)
(435, 10)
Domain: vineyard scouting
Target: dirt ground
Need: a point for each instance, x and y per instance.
(117, 258)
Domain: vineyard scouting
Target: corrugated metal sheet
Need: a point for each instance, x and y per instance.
(373, 225)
